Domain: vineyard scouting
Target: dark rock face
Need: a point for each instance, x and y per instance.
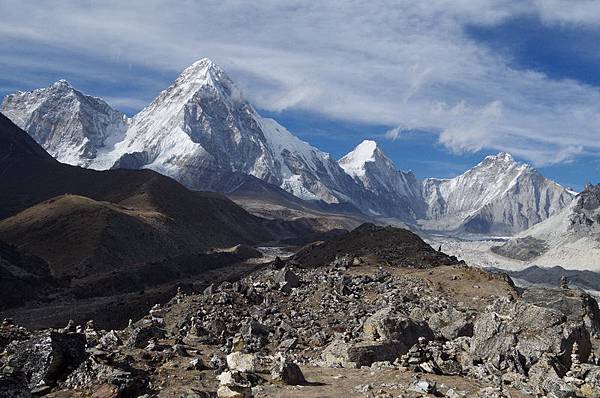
(585, 218)
(395, 246)
(47, 357)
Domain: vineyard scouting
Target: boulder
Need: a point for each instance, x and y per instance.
(387, 325)
(234, 385)
(241, 362)
(576, 305)
(234, 392)
(287, 372)
(119, 378)
(110, 340)
(355, 355)
(519, 333)
(141, 335)
(48, 356)
(451, 323)
(286, 280)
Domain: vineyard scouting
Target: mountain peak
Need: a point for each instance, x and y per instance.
(62, 84)
(367, 151)
(501, 157)
(203, 65)
(205, 76)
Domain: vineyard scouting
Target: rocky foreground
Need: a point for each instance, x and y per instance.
(357, 326)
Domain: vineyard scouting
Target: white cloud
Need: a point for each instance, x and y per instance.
(401, 63)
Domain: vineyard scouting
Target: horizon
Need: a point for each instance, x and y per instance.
(519, 86)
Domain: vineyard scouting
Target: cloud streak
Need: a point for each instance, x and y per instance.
(397, 63)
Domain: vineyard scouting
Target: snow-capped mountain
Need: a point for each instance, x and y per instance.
(202, 132)
(570, 238)
(195, 131)
(71, 126)
(498, 195)
(398, 192)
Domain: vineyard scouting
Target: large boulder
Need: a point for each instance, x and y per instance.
(387, 325)
(47, 357)
(517, 334)
(241, 362)
(355, 355)
(286, 279)
(576, 305)
(546, 377)
(451, 323)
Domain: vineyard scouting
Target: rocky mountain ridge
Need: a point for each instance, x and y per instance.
(201, 131)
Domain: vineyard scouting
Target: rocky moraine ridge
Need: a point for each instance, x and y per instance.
(348, 317)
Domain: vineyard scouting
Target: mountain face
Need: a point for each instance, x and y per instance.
(69, 125)
(398, 192)
(498, 195)
(203, 133)
(570, 238)
(196, 131)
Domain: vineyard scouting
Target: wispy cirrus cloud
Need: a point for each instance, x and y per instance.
(397, 63)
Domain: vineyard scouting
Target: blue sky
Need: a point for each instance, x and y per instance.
(449, 82)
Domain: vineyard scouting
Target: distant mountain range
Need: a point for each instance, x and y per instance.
(203, 133)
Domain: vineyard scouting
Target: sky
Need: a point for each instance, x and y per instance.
(438, 84)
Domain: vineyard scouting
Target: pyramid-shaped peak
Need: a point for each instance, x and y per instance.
(206, 70)
(204, 64)
(205, 74)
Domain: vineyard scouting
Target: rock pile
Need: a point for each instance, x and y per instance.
(262, 333)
